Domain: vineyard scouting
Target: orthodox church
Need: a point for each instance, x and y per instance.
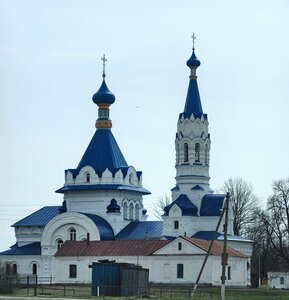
(103, 203)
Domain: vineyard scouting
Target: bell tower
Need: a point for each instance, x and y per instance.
(192, 143)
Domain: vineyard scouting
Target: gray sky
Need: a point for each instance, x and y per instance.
(50, 67)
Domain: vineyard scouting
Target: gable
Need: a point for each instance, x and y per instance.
(180, 246)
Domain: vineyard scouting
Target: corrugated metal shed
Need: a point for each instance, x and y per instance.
(118, 279)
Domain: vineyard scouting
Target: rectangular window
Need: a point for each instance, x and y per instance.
(72, 271)
(180, 271)
(282, 280)
(176, 224)
(179, 246)
(229, 273)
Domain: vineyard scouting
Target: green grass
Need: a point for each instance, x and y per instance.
(83, 292)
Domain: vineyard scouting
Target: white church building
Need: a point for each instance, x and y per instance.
(103, 209)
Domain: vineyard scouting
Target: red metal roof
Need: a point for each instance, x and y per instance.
(134, 247)
(217, 248)
(111, 248)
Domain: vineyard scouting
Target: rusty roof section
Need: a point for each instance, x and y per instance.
(217, 248)
(135, 248)
(111, 248)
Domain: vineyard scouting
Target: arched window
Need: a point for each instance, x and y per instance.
(186, 152)
(34, 269)
(131, 211)
(282, 281)
(197, 152)
(72, 233)
(136, 215)
(206, 154)
(59, 243)
(125, 211)
(14, 269)
(87, 177)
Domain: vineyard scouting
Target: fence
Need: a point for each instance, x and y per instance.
(32, 286)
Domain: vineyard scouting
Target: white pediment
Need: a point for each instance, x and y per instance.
(180, 246)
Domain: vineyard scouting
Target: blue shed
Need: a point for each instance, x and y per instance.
(118, 279)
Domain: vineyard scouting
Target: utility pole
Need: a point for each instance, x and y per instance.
(225, 254)
(223, 210)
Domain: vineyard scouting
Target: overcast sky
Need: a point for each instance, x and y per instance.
(50, 67)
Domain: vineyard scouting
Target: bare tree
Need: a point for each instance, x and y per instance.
(243, 203)
(277, 220)
(159, 205)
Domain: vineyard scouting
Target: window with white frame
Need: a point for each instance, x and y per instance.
(125, 211)
(131, 211)
(59, 243)
(34, 269)
(72, 234)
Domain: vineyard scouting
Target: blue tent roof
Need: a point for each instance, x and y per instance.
(41, 217)
(212, 204)
(186, 206)
(105, 230)
(119, 187)
(102, 153)
(193, 103)
(30, 249)
(141, 230)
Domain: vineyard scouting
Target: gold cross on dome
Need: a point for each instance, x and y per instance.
(194, 38)
(104, 60)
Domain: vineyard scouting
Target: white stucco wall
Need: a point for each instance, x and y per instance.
(163, 269)
(278, 280)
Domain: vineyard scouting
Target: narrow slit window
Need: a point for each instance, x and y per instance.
(34, 269)
(176, 224)
(186, 152)
(197, 152)
(87, 177)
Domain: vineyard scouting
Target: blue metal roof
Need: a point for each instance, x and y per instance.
(39, 218)
(212, 204)
(103, 95)
(105, 230)
(119, 187)
(193, 103)
(30, 249)
(207, 235)
(102, 153)
(176, 188)
(141, 230)
(186, 206)
(197, 188)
